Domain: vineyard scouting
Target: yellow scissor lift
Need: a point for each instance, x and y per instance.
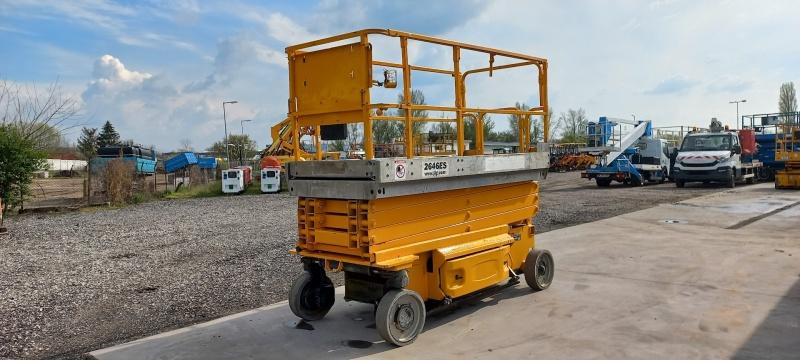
(413, 230)
(787, 149)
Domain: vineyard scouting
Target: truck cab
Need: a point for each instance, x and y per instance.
(710, 157)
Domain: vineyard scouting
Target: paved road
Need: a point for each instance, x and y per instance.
(711, 277)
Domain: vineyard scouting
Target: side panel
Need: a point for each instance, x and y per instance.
(331, 80)
(471, 273)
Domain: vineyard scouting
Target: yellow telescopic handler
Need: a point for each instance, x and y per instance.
(414, 232)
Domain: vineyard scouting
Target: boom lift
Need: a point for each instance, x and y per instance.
(635, 157)
(408, 232)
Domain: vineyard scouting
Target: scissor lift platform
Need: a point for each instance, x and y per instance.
(416, 231)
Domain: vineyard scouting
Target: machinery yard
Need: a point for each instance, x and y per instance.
(683, 291)
(96, 266)
(445, 180)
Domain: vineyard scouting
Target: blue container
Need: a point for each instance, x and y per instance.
(180, 161)
(143, 159)
(206, 162)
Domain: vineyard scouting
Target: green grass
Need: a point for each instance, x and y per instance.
(210, 190)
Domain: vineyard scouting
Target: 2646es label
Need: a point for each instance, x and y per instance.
(434, 168)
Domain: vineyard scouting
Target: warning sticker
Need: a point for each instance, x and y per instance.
(400, 169)
(434, 168)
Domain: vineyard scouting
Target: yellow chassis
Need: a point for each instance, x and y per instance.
(450, 243)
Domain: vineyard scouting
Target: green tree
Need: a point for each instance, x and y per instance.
(417, 98)
(444, 127)
(87, 142)
(787, 99)
(108, 136)
(385, 131)
(19, 159)
(337, 145)
(470, 119)
(31, 122)
(513, 120)
(241, 147)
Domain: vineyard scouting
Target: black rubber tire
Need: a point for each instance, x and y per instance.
(732, 181)
(603, 182)
(636, 183)
(679, 183)
(311, 299)
(539, 269)
(395, 309)
(663, 175)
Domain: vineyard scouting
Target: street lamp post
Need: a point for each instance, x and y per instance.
(242, 123)
(225, 119)
(737, 110)
(234, 149)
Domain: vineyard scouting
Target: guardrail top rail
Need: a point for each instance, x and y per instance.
(330, 81)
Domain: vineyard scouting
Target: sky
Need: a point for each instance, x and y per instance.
(160, 70)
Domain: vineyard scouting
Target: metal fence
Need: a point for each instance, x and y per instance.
(71, 189)
(57, 189)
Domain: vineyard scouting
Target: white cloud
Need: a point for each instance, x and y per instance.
(283, 29)
(677, 62)
(235, 57)
(110, 74)
(150, 109)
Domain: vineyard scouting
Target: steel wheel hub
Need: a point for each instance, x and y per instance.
(404, 317)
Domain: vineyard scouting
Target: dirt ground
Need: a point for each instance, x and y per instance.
(74, 282)
(57, 192)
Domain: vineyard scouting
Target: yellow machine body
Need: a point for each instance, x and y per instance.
(428, 219)
(451, 242)
(787, 149)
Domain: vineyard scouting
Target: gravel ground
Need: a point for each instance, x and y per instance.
(71, 283)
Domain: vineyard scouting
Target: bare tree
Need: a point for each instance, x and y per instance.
(573, 125)
(186, 144)
(417, 98)
(40, 116)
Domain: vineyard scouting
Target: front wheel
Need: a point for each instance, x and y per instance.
(539, 269)
(679, 183)
(400, 316)
(732, 181)
(311, 297)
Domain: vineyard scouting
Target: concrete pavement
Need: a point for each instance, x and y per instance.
(712, 277)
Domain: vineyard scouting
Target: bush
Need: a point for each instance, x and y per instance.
(19, 159)
(119, 175)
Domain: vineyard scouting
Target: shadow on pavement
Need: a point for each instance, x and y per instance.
(778, 336)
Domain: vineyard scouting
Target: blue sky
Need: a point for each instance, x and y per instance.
(159, 70)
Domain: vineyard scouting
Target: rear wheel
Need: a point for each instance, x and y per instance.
(539, 269)
(400, 316)
(603, 182)
(311, 297)
(680, 183)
